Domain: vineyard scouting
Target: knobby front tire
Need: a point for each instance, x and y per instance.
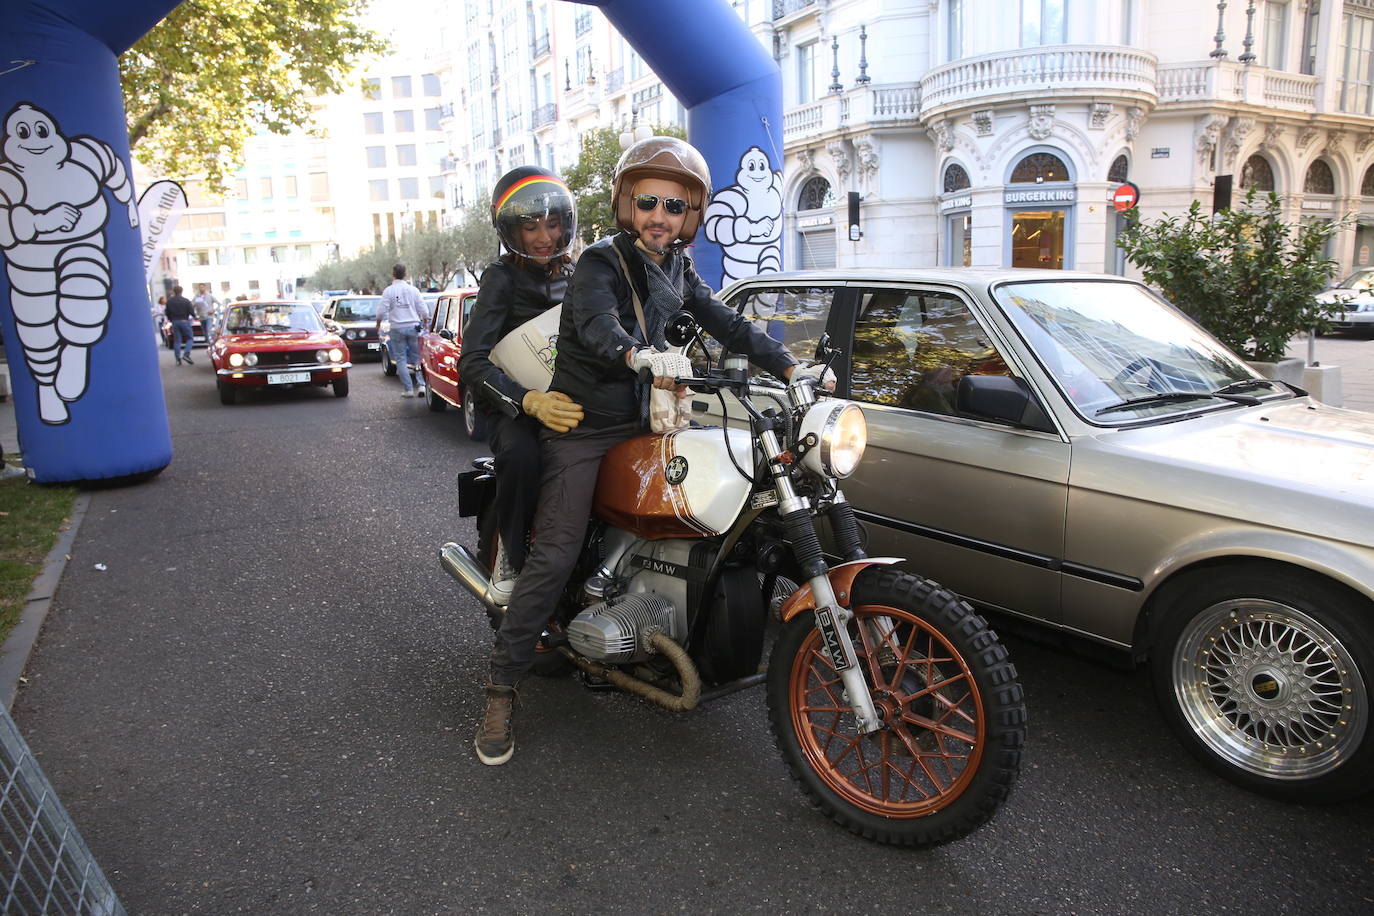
(954, 716)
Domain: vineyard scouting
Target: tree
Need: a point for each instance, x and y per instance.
(204, 79)
(590, 179)
(431, 256)
(475, 238)
(1244, 274)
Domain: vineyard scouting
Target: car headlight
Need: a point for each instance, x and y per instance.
(236, 359)
(839, 434)
(250, 359)
(336, 355)
(321, 356)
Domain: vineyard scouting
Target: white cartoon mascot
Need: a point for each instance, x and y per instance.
(745, 219)
(52, 213)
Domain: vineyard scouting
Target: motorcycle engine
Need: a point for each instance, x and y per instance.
(619, 630)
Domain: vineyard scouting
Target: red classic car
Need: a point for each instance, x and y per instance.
(441, 344)
(277, 345)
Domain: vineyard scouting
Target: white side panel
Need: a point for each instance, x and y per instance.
(713, 490)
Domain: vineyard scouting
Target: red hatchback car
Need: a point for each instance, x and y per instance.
(277, 345)
(440, 346)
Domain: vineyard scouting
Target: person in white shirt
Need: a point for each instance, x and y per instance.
(403, 306)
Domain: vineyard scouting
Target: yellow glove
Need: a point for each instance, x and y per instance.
(555, 409)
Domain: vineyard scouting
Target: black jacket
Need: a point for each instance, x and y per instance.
(599, 325)
(179, 309)
(510, 294)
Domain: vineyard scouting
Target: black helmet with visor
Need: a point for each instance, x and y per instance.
(529, 193)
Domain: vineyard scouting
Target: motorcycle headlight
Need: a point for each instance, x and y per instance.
(250, 359)
(236, 359)
(336, 355)
(840, 434)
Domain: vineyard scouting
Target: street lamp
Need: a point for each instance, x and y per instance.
(635, 132)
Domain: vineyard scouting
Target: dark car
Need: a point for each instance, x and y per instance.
(354, 318)
(198, 338)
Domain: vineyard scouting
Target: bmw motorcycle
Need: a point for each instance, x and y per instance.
(894, 705)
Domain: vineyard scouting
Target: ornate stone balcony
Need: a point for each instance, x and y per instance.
(1041, 72)
(1204, 82)
(544, 115)
(860, 108)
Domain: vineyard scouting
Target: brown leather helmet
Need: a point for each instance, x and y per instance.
(662, 157)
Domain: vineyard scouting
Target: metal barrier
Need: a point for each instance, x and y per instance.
(45, 867)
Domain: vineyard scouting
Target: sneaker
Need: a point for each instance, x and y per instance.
(405, 394)
(420, 391)
(190, 362)
(11, 472)
(502, 578)
(178, 362)
(495, 741)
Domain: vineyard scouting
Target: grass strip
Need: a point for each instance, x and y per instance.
(30, 518)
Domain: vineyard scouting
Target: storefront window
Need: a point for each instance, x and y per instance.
(1037, 238)
(959, 240)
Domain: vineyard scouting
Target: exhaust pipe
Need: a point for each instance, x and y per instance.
(461, 565)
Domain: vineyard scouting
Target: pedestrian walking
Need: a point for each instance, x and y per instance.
(179, 312)
(405, 309)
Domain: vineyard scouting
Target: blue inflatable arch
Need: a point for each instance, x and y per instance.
(73, 298)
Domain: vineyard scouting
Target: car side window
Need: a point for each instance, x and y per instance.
(795, 315)
(458, 313)
(442, 306)
(911, 348)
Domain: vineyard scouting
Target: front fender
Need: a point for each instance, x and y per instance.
(841, 580)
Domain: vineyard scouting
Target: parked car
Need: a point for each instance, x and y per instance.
(197, 334)
(354, 318)
(1356, 293)
(1072, 452)
(278, 344)
(441, 344)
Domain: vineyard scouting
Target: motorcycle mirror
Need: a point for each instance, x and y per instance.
(681, 329)
(824, 351)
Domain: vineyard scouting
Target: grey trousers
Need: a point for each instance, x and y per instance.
(566, 487)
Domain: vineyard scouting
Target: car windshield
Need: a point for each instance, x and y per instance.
(1120, 354)
(275, 318)
(1361, 279)
(362, 309)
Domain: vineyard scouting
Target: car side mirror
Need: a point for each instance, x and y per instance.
(447, 334)
(1002, 397)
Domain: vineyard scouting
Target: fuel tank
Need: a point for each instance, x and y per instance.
(675, 485)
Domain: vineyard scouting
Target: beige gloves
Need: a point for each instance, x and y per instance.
(555, 409)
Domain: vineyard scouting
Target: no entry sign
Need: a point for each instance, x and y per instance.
(1126, 196)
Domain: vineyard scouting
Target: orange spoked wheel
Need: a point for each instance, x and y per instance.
(949, 749)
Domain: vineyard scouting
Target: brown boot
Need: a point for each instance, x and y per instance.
(495, 736)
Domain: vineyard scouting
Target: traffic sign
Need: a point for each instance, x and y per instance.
(1126, 196)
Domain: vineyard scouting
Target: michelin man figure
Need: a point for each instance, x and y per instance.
(745, 219)
(52, 219)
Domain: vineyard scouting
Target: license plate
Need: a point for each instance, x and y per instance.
(287, 378)
(374, 346)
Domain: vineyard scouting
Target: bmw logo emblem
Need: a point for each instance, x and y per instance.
(676, 471)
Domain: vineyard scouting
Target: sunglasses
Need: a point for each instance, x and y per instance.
(674, 205)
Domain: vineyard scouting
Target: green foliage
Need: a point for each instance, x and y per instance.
(1245, 274)
(368, 272)
(590, 179)
(30, 518)
(209, 75)
(475, 245)
(430, 256)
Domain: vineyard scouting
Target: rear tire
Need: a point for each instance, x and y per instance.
(954, 715)
(436, 403)
(473, 422)
(388, 367)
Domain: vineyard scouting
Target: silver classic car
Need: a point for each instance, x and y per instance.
(1070, 450)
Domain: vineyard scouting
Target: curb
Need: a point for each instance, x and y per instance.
(14, 655)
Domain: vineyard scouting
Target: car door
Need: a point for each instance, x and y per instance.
(976, 504)
(439, 354)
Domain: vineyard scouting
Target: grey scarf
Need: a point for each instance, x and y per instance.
(665, 301)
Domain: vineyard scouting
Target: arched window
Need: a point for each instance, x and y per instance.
(956, 179)
(1319, 179)
(1257, 174)
(1367, 186)
(815, 194)
(1117, 173)
(1039, 167)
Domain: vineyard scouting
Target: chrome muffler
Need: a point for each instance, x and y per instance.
(463, 566)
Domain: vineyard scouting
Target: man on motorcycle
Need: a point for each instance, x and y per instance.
(536, 220)
(626, 288)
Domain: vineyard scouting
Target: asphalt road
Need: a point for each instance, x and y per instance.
(264, 702)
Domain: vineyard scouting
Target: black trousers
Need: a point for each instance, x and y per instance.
(515, 445)
(568, 483)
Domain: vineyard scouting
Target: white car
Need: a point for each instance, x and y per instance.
(1356, 293)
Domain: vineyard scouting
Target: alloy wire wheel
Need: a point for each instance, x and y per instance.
(953, 717)
(1269, 688)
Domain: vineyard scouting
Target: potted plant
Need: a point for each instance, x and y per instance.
(1245, 274)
